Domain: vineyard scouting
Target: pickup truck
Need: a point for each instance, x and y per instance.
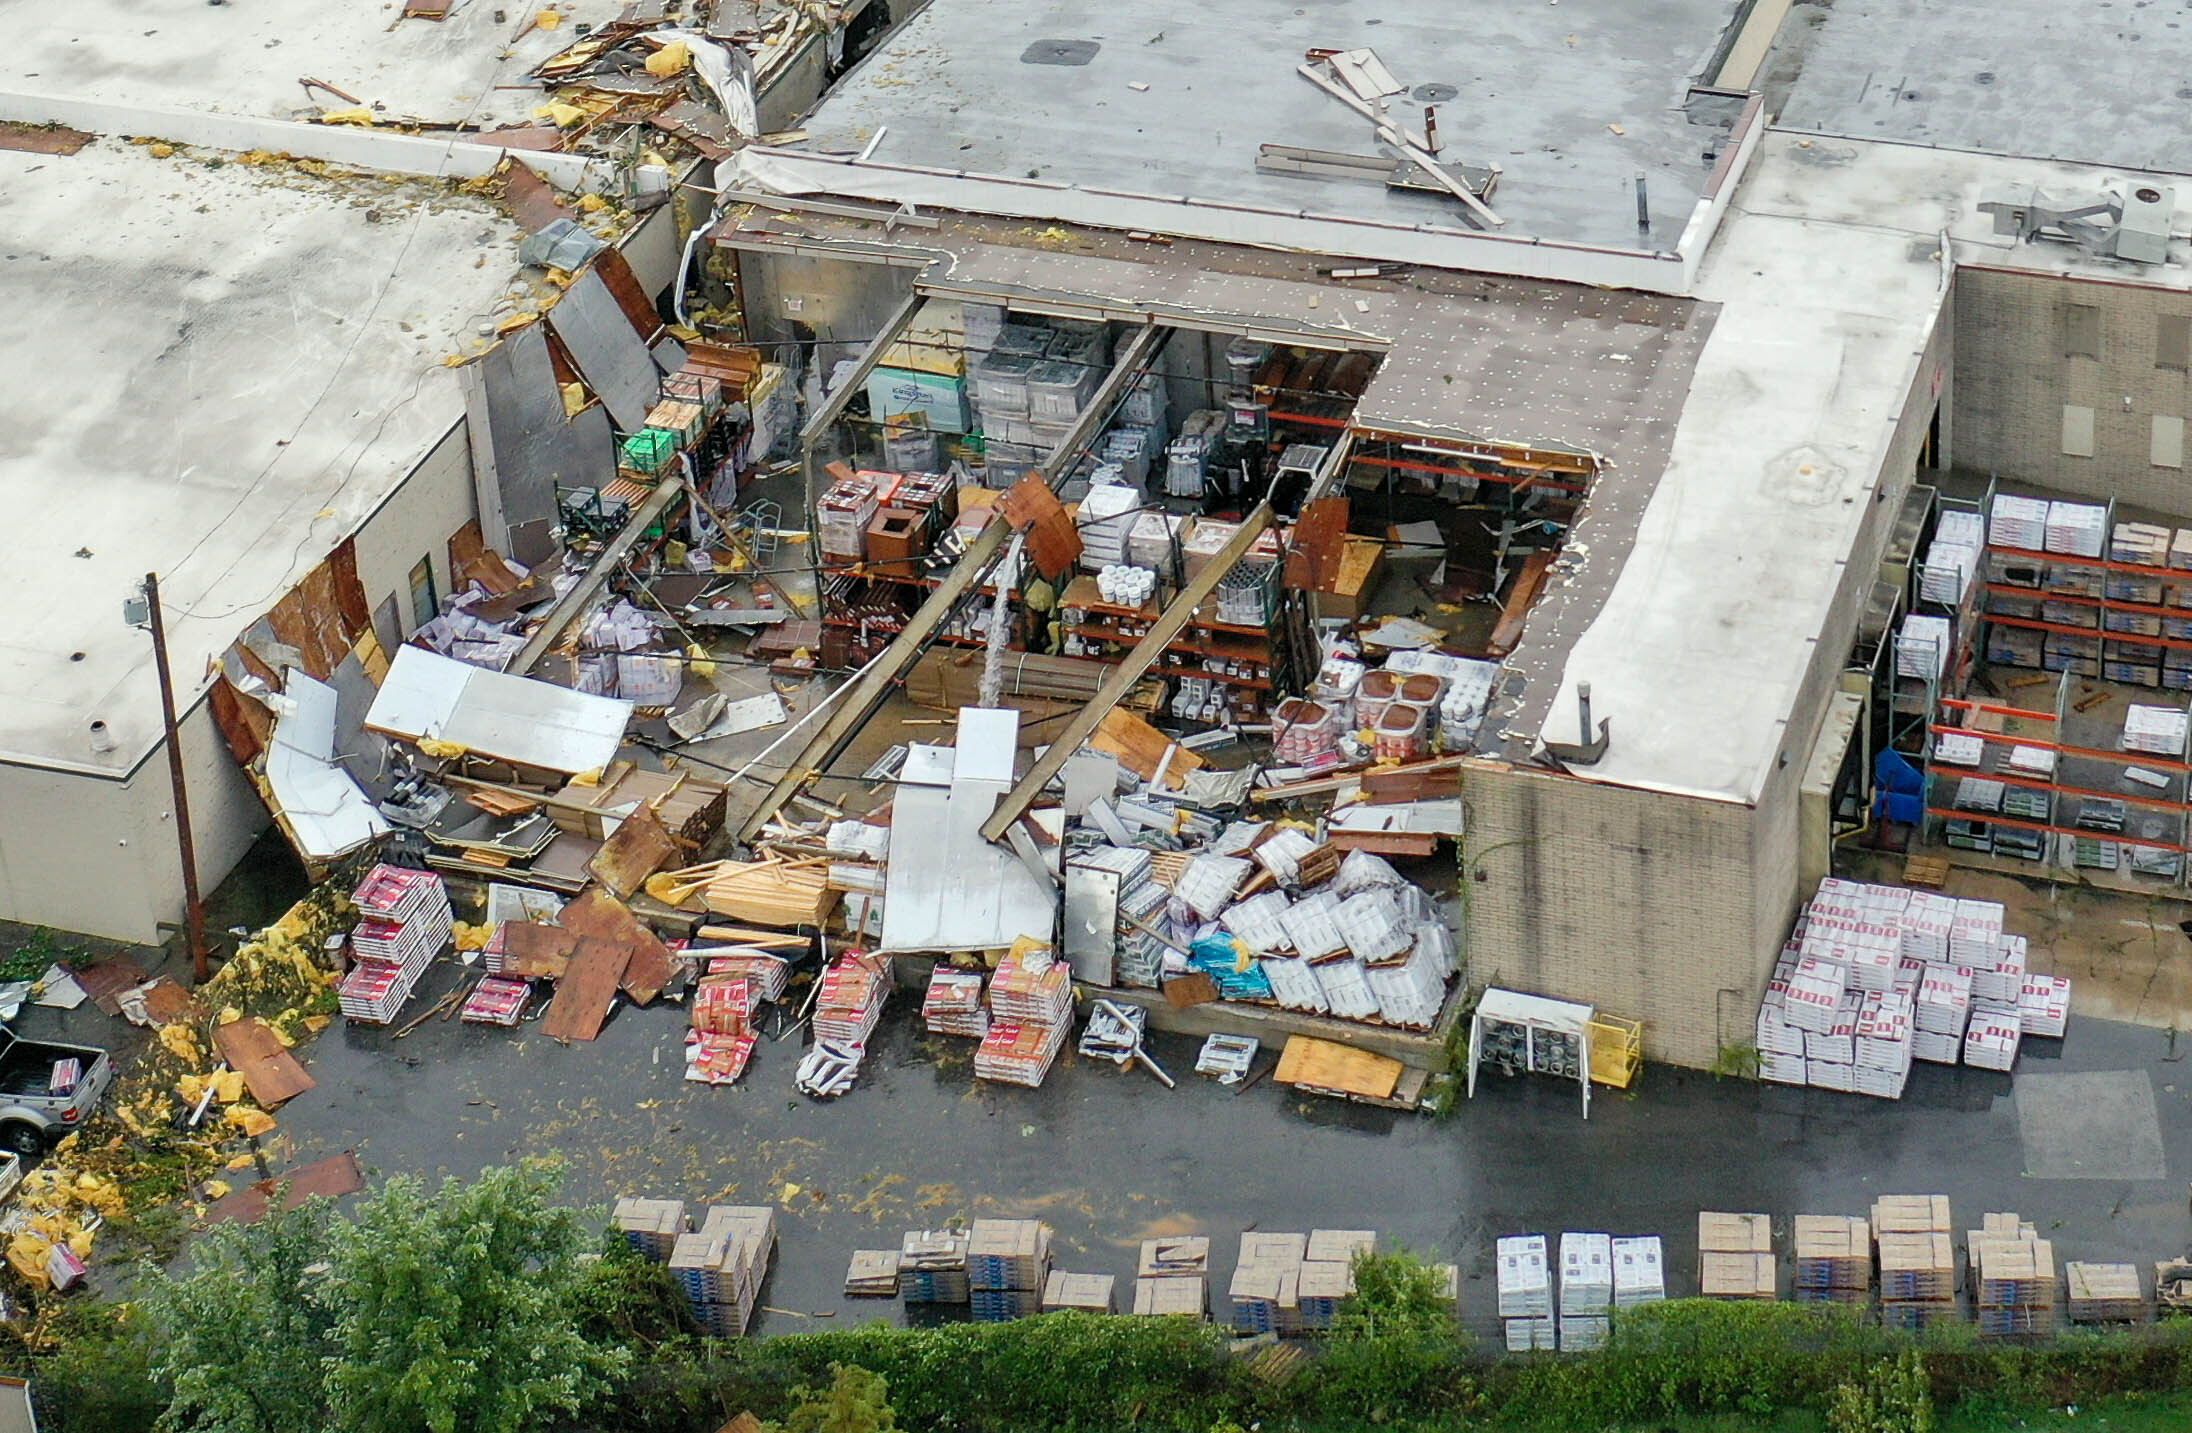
(32, 1114)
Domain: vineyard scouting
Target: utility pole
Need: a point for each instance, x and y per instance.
(193, 909)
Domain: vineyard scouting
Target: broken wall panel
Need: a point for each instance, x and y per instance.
(527, 446)
(609, 352)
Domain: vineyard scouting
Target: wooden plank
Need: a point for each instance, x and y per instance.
(1326, 1065)
(640, 846)
(1053, 542)
(105, 982)
(328, 1178)
(1516, 609)
(1190, 990)
(536, 952)
(42, 138)
(1313, 563)
(1385, 843)
(631, 295)
(1422, 782)
(1141, 748)
(270, 1072)
(166, 1002)
(600, 915)
(587, 991)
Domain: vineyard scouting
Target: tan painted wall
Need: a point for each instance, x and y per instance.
(86, 854)
(1639, 903)
(2014, 376)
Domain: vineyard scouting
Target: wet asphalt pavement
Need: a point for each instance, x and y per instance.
(1109, 1157)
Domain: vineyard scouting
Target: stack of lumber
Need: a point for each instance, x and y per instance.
(1173, 1276)
(769, 893)
(873, 1274)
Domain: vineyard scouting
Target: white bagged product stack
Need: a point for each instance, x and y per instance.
(1525, 1279)
(1639, 1272)
(2003, 982)
(1104, 519)
(1991, 1042)
(1586, 1289)
(2018, 522)
(2043, 1006)
(2158, 730)
(2076, 529)
(1952, 558)
(1921, 647)
(1944, 1003)
(2143, 544)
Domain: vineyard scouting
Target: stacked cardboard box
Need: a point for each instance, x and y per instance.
(2104, 1293)
(1328, 1272)
(2013, 1276)
(1173, 1276)
(1833, 1259)
(873, 1274)
(1735, 1256)
(721, 1266)
(1087, 1293)
(1917, 1251)
(1008, 1261)
(1266, 1288)
(651, 1226)
(932, 1267)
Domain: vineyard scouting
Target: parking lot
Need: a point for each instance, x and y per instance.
(2091, 1143)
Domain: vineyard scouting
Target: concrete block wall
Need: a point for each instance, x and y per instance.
(2024, 350)
(1639, 903)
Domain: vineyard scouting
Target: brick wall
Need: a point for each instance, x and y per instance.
(2027, 345)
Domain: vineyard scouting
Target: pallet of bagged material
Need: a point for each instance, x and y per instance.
(1911, 1214)
(651, 1226)
(1008, 1254)
(1917, 1268)
(932, 1267)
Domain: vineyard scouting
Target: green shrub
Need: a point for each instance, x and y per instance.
(1891, 1397)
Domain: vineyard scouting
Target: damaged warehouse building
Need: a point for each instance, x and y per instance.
(1541, 499)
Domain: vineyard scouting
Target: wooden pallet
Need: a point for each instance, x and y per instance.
(1928, 872)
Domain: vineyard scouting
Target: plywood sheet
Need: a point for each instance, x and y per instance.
(327, 1178)
(599, 915)
(1141, 748)
(536, 952)
(640, 846)
(270, 1072)
(587, 990)
(1327, 1065)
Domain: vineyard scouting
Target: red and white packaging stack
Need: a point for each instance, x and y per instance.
(1944, 1005)
(717, 1059)
(1883, 1045)
(1975, 940)
(853, 991)
(767, 974)
(1017, 1052)
(1780, 1044)
(1032, 984)
(1928, 920)
(1815, 995)
(1908, 973)
(496, 1000)
(491, 954)
(404, 924)
(1837, 1044)
(2043, 1006)
(1991, 1042)
(2003, 982)
(952, 1004)
(723, 1005)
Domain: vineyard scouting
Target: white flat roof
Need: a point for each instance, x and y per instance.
(215, 373)
(1829, 281)
(246, 57)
